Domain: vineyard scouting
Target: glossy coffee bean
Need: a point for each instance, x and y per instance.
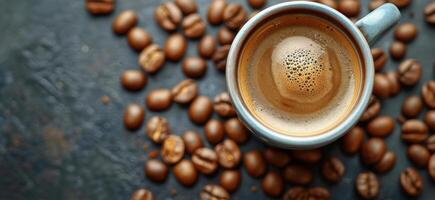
(429, 119)
(234, 16)
(367, 185)
(276, 157)
(125, 21)
(372, 110)
(308, 156)
(381, 86)
(192, 141)
(300, 193)
(256, 3)
(215, 11)
(429, 13)
(205, 160)
(213, 192)
(168, 16)
(158, 129)
(193, 26)
(298, 174)
(200, 110)
(381, 126)
(386, 163)
(186, 6)
(428, 94)
(207, 46)
(175, 47)
(418, 155)
(350, 8)
(373, 150)
(100, 7)
(194, 67)
(142, 194)
(379, 58)
(225, 36)
(214, 131)
(185, 91)
(430, 143)
(159, 99)
(409, 72)
(254, 163)
(133, 80)
(400, 3)
(236, 131)
(156, 170)
(228, 153)
(393, 79)
(376, 4)
(411, 182)
(405, 32)
(431, 167)
(185, 173)
(352, 141)
(412, 106)
(138, 39)
(134, 115)
(398, 50)
(333, 169)
(151, 59)
(172, 149)
(272, 184)
(230, 180)
(414, 131)
(220, 57)
(222, 105)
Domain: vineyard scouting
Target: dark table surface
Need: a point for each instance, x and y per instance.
(58, 141)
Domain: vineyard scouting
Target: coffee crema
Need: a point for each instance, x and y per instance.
(299, 74)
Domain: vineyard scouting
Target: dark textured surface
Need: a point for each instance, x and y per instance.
(58, 141)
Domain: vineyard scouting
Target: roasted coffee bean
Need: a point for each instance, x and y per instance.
(214, 131)
(276, 157)
(133, 80)
(352, 141)
(193, 26)
(175, 47)
(429, 13)
(215, 12)
(379, 58)
(308, 156)
(333, 169)
(185, 173)
(205, 160)
(156, 170)
(373, 151)
(200, 110)
(272, 184)
(254, 163)
(418, 154)
(414, 131)
(381, 126)
(330, 3)
(386, 163)
(172, 149)
(400, 3)
(405, 32)
(100, 7)
(207, 46)
(125, 21)
(409, 72)
(381, 86)
(159, 99)
(431, 167)
(393, 78)
(194, 67)
(350, 8)
(376, 4)
(228, 153)
(192, 141)
(222, 105)
(152, 58)
(372, 110)
(412, 106)
(367, 185)
(142, 194)
(134, 115)
(298, 174)
(138, 39)
(411, 182)
(236, 131)
(185, 91)
(428, 94)
(225, 36)
(186, 6)
(234, 16)
(300, 193)
(213, 192)
(430, 143)
(158, 129)
(397, 50)
(256, 3)
(429, 119)
(220, 57)
(230, 180)
(168, 16)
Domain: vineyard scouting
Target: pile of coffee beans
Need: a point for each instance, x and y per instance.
(186, 156)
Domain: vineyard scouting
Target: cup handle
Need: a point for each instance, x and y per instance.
(378, 21)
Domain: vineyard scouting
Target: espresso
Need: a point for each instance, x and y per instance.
(299, 74)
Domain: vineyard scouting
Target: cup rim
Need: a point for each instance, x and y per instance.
(274, 137)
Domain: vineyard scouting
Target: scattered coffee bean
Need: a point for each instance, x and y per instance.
(228, 153)
(431, 167)
(215, 12)
(172, 149)
(214, 131)
(105, 99)
(386, 163)
(409, 72)
(205, 160)
(230, 180)
(272, 184)
(158, 129)
(220, 57)
(298, 174)
(381, 86)
(125, 21)
(133, 80)
(156, 170)
(159, 99)
(213, 192)
(152, 58)
(414, 131)
(256, 3)
(308, 156)
(142, 194)
(194, 67)
(376, 4)
(134, 115)
(234, 16)
(418, 154)
(430, 143)
(193, 26)
(412, 106)
(333, 169)
(330, 3)
(411, 182)
(352, 141)
(406, 32)
(100, 7)
(400, 3)
(168, 16)
(236, 131)
(393, 78)
(429, 13)
(428, 94)
(185, 173)
(222, 105)
(200, 110)
(254, 163)
(367, 185)
(276, 157)
(300, 193)
(185, 91)
(398, 50)
(350, 8)
(372, 110)
(379, 58)
(429, 119)
(138, 39)
(373, 151)
(192, 141)
(225, 36)
(381, 126)
(207, 46)
(186, 6)
(175, 47)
